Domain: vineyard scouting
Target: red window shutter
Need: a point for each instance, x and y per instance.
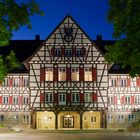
(94, 74)
(55, 76)
(84, 51)
(132, 99)
(81, 74)
(20, 99)
(10, 100)
(82, 97)
(68, 97)
(63, 52)
(55, 97)
(138, 82)
(68, 74)
(115, 99)
(10, 81)
(52, 51)
(128, 82)
(21, 82)
(73, 51)
(0, 99)
(42, 99)
(42, 74)
(94, 97)
(122, 100)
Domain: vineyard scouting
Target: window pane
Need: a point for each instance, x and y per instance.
(49, 74)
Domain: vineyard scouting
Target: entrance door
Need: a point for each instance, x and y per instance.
(68, 121)
(62, 99)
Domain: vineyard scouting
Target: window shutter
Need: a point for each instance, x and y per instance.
(81, 74)
(42, 99)
(42, 74)
(138, 81)
(63, 52)
(68, 77)
(81, 97)
(84, 51)
(94, 74)
(94, 97)
(74, 52)
(55, 77)
(52, 51)
(10, 100)
(20, 99)
(132, 99)
(10, 81)
(21, 82)
(68, 97)
(128, 82)
(115, 99)
(55, 97)
(122, 100)
(0, 99)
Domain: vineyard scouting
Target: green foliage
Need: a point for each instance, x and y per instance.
(7, 64)
(14, 14)
(125, 17)
(134, 127)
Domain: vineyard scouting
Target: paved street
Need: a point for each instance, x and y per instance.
(69, 136)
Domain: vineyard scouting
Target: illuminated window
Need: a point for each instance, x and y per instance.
(25, 100)
(127, 100)
(123, 82)
(15, 81)
(75, 74)
(113, 82)
(88, 74)
(49, 74)
(111, 100)
(25, 118)
(49, 97)
(120, 119)
(79, 52)
(57, 52)
(131, 118)
(109, 118)
(68, 52)
(62, 74)
(15, 100)
(93, 119)
(5, 100)
(88, 97)
(75, 97)
(137, 100)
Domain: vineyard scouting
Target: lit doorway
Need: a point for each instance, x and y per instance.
(68, 121)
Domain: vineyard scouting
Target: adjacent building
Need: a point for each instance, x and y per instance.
(65, 82)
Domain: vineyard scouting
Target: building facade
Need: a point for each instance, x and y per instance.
(69, 85)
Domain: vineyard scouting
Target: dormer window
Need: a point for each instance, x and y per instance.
(116, 67)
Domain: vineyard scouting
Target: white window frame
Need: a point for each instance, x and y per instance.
(25, 81)
(79, 52)
(68, 52)
(123, 82)
(49, 74)
(16, 81)
(131, 118)
(109, 118)
(25, 100)
(26, 118)
(15, 100)
(49, 97)
(110, 100)
(137, 99)
(88, 74)
(127, 99)
(57, 52)
(5, 100)
(15, 118)
(120, 118)
(75, 97)
(88, 97)
(5, 82)
(113, 82)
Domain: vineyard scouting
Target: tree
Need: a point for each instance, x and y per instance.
(13, 15)
(125, 17)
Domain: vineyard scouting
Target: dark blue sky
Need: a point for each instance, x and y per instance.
(91, 15)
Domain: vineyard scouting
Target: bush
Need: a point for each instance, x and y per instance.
(134, 127)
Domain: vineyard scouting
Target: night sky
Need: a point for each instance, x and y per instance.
(91, 15)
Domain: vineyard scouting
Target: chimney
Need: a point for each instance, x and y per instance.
(37, 37)
(99, 37)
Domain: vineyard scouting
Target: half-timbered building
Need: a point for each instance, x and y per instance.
(64, 82)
